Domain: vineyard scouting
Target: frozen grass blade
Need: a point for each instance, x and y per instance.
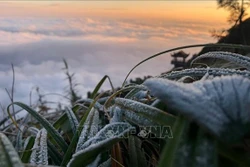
(63, 119)
(235, 58)
(60, 121)
(102, 141)
(134, 91)
(200, 72)
(117, 115)
(137, 119)
(97, 105)
(51, 130)
(75, 138)
(111, 98)
(72, 119)
(98, 86)
(30, 165)
(8, 155)
(146, 111)
(39, 155)
(19, 139)
(90, 128)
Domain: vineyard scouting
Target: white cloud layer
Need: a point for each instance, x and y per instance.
(92, 47)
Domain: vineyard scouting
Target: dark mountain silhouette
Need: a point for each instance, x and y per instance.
(239, 34)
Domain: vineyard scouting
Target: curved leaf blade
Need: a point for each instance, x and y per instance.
(8, 155)
(103, 140)
(72, 119)
(238, 59)
(29, 142)
(149, 112)
(90, 128)
(98, 86)
(51, 130)
(200, 72)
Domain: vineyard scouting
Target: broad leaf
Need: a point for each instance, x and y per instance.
(221, 105)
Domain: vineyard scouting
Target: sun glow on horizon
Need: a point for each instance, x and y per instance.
(180, 10)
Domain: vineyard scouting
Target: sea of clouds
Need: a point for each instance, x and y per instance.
(92, 47)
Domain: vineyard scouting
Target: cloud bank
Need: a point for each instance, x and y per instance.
(92, 47)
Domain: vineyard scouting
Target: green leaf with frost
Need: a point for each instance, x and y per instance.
(39, 155)
(146, 111)
(220, 105)
(8, 154)
(103, 140)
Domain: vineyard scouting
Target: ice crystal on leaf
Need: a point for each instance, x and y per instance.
(221, 105)
(103, 140)
(8, 155)
(39, 155)
(238, 59)
(90, 128)
(200, 72)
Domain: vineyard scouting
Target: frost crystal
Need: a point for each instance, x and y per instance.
(117, 115)
(90, 128)
(72, 119)
(104, 139)
(114, 130)
(39, 155)
(8, 155)
(221, 105)
(200, 72)
(238, 59)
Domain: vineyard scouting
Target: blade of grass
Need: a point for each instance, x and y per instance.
(101, 142)
(27, 149)
(75, 138)
(54, 154)
(98, 86)
(149, 112)
(19, 139)
(184, 47)
(8, 154)
(51, 130)
(39, 155)
(72, 119)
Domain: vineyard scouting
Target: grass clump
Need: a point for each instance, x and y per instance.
(193, 117)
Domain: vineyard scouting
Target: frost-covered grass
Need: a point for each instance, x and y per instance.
(193, 117)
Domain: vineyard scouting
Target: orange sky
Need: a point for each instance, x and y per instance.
(192, 10)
